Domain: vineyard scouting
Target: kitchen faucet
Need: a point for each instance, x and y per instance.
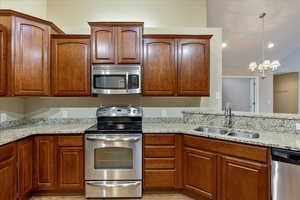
(228, 116)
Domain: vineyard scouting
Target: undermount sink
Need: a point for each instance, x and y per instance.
(212, 130)
(244, 134)
(241, 134)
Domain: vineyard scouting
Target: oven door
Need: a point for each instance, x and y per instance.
(113, 157)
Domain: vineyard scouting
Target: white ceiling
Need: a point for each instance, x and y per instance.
(242, 28)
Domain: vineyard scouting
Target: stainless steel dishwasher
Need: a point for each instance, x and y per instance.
(285, 174)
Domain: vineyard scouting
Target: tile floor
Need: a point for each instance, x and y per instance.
(146, 197)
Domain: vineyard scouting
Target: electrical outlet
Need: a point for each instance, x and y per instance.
(3, 117)
(298, 126)
(64, 114)
(164, 113)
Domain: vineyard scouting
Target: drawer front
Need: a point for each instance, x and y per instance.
(159, 152)
(159, 178)
(159, 163)
(70, 141)
(159, 139)
(7, 151)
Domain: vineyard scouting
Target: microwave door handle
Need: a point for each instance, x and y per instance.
(127, 81)
(127, 139)
(113, 185)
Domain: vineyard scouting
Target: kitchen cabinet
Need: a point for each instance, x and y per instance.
(215, 169)
(176, 65)
(8, 169)
(162, 162)
(159, 74)
(200, 172)
(116, 43)
(25, 167)
(70, 55)
(243, 179)
(26, 49)
(59, 164)
(45, 164)
(3, 59)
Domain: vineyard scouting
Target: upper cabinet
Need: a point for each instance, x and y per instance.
(32, 64)
(176, 65)
(70, 65)
(3, 59)
(116, 43)
(25, 49)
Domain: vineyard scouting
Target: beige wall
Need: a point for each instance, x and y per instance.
(36, 8)
(72, 15)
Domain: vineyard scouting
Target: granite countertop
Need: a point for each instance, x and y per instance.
(13, 134)
(267, 139)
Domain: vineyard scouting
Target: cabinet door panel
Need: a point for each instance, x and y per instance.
(44, 163)
(71, 67)
(129, 44)
(200, 170)
(159, 74)
(25, 166)
(32, 63)
(243, 179)
(3, 59)
(103, 44)
(70, 168)
(193, 67)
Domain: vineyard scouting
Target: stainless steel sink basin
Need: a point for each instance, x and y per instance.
(244, 134)
(212, 130)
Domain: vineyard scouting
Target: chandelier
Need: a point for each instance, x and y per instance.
(267, 66)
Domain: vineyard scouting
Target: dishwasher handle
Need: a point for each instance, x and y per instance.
(286, 156)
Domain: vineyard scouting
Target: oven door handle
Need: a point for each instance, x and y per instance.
(124, 139)
(113, 185)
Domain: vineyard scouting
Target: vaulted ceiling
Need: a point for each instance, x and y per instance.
(242, 28)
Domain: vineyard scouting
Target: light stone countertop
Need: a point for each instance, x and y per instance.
(268, 139)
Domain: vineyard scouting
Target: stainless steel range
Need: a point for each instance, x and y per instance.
(113, 154)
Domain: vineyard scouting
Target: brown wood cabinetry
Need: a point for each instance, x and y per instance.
(70, 65)
(8, 169)
(25, 167)
(59, 164)
(44, 163)
(200, 172)
(3, 59)
(116, 43)
(176, 65)
(162, 162)
(215, 169)
(159, 74)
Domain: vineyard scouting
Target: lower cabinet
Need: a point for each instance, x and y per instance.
(59, 164)
(25, 167)
(200, 172)
(8, 169)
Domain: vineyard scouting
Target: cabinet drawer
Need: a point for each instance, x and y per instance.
(159, 139)
(159, 178)
(70, 141)
(159, 152)
(159, 163)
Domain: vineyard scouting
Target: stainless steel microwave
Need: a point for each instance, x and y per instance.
(116, 79)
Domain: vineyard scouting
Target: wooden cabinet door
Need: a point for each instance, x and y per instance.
(241, 179)
(129, 44)
(70, 168)
(193, 67)
(159, 73)
(44, 163)
(8, 172)
(200, 172)
(103, 44)
(32, 48)
(25, 166)
(71, 67)
(3, 59)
